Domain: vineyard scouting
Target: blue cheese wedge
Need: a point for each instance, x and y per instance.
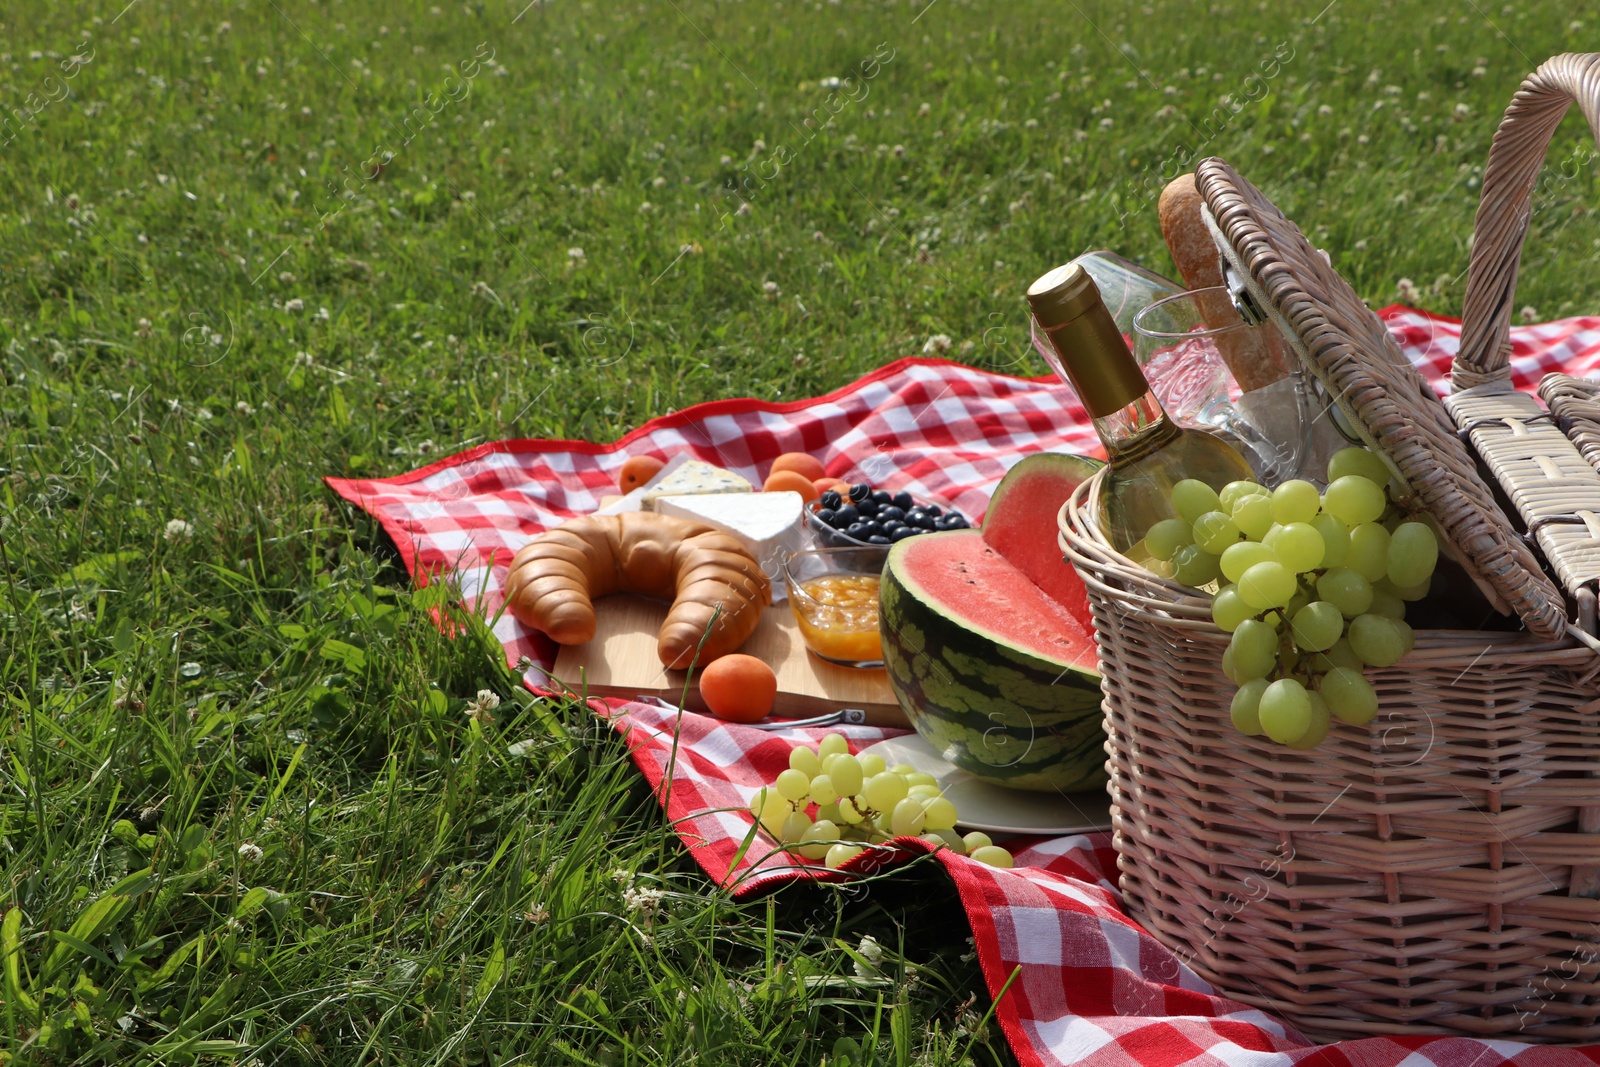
(768, 524)
(693, 478)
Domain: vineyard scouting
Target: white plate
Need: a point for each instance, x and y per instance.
(993, 808)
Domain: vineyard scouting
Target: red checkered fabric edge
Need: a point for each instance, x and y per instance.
(1087, 985)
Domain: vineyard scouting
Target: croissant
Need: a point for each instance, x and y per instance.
(556, 577)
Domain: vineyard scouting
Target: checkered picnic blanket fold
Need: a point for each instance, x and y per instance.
(1091, 986)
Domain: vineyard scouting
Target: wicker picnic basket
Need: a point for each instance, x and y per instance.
(1438, 870)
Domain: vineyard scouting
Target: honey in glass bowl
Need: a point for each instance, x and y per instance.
(834, 596)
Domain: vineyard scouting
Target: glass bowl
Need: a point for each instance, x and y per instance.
(829, 537)
(834, 595)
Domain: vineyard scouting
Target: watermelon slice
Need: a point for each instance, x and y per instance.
(995, 667)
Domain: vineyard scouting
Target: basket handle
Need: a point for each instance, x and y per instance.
(1515, 158)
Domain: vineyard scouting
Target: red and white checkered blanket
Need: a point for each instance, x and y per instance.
(1093, 986)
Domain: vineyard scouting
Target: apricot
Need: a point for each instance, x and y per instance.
(638, 470)
(738, 688)
(824, 484)
(790, 481)
(801, 463)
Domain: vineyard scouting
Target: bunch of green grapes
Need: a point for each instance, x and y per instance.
(1313, 588)
(829, 805)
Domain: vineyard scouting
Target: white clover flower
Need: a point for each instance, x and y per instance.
(645, 901)
(924, 109)
(296, 304)
(488, 699)
(646, 207)
(576, 254)
(622, 876)
(178, 530)
(322, 315)
(1529, 314)
(287, 278)
(871, 954)
(1407, 289)
(936, 344)
(244, 407)
(251, 853)
(829, 83)
(744, 208)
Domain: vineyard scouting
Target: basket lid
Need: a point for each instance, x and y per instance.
(1384, 399)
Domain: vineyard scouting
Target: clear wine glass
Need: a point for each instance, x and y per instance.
(1176, 342)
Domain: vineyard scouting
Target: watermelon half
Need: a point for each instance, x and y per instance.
(988, 642)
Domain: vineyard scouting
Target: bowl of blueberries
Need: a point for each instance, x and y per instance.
(868, 516)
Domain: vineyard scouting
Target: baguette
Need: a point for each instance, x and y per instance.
(1254, 356)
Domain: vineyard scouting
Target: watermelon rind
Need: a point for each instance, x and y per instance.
(1003, 713)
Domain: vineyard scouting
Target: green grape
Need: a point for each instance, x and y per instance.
(1267, 585)
(871, 764)
(1321, 722)
(1228, 610)
(770, 810)
(841, 854)
(1253, 516)
(1350, 696)
(1354, 500)
(1346, 590)
(1192, 498)
(903, 769)
(1386, 603)
(1234, 491)
(1335, 540)
(844, 772)
(1377, 640)
(849, 814)
(794, 827)
(1298, 545)
(1413, 553)
(1230, 672)
(948, 838)
(1411, 592)
(1194, 566)
(1214, 532)
(1245, 711)
(831, 813)
(1285, 710)
(993, 856)
(805, 761)
(832, 745)
(1340, 655)
(1255, 649)
(920, 778)
(818, 838)
(976, 839)
(1167, 536)
(1408, 637)
(1242, 556)
(939, 814)
(883, 791)
(1295, 501)
(1317, 627)
(823, 791)
(923, 792)
(1369, 551)
(907, 818)
(793, 784)
(1359, 462)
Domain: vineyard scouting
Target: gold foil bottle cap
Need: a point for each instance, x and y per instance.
(1067, 306)
(1062, 295)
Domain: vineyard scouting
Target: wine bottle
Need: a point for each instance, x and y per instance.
(1147, 452)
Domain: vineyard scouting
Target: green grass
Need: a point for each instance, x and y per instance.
(243, 814)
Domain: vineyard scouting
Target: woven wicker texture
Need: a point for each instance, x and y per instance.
(1575, 402)
(1439, 868)
(1386, 399)
(1435, 870)
(1554, 489)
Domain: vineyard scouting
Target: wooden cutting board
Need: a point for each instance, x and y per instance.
(621, 661)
